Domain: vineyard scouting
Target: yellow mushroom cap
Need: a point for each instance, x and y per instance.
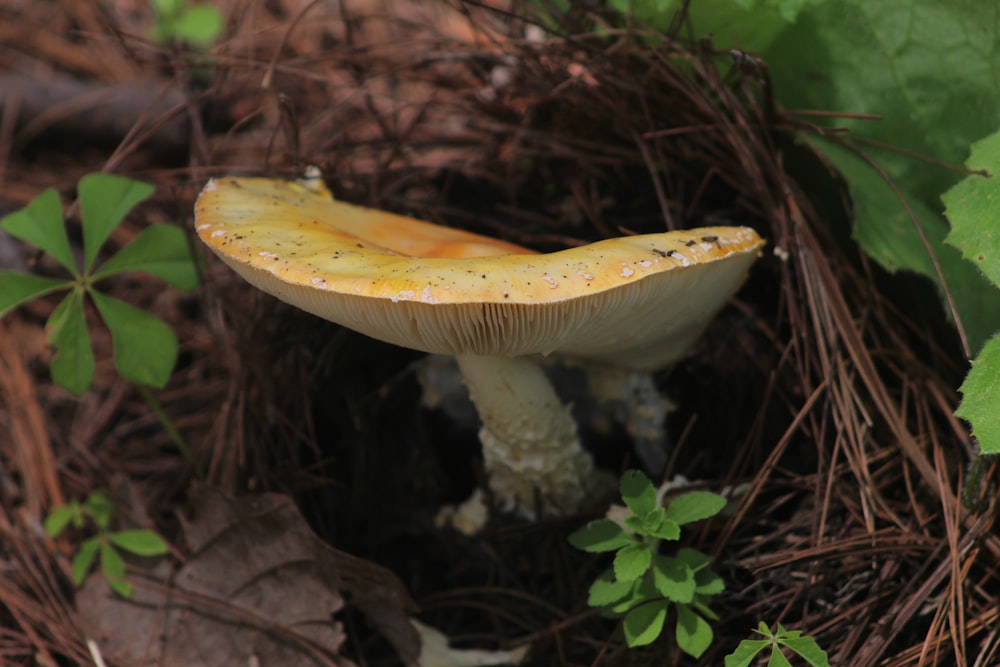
(638, 301)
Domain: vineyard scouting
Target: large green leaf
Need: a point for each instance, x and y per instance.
(17, 288)
(73, 366)
(645, 622)
(145, 348)
(981, 398)
(105, 199)
(929, 69)
(40, 223)
(694, 634)
(162, 250)
(973, 209)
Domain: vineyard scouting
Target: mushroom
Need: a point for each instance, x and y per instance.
(635, 301)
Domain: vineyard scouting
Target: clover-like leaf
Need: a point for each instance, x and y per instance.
(694, 634)
(140, 542)
(145, 347)
(745, 653)
(17, 288)
(601, 535)
(807, 649)
(73, 366)
(40, 223)
(695, 506)
(645, 622)
(161, 250)
(105, 200)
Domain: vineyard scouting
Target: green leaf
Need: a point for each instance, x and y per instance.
(695, 506)
(17, 288)
(73, 366)
(642, 592)
(708, 583)
(638, 492)
(668, 529)
(112, 563)
(929, 70)
(161, 250)
(694, 634)
(84, 558)
(120, 586)
(973, 211)
(140, 542)
(632, 561)
(40, 223)
(807, 649)
(645, 622)
(607, 591)
(745, 653)
(200, 25)
(59, 518)
(778, 658)
(673, 579)
(145, 348)
(981, 398)
(98, 505)
(696, 560)
(105, 199)
(601, 535)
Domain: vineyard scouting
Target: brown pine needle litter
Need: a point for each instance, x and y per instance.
(826, 387)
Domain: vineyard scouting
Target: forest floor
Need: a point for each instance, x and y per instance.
(824, 389)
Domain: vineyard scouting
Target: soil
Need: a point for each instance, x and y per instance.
(824, 389)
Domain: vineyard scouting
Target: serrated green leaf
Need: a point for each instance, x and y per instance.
(696, 560)
(84, 558)
(601, 535)
(807, 649)
(644, 623)
(642, 591)
(972, 208)
(59, 518)
(17, 288)
(673, 579)
(161, 250)
(695, 506)
(606, 591)
(140, 542)
(73, 366)
(648, 523)
(708, 583)
(745, 653)
(145, 347)
(105, 200)
(632, 561)
(638, 492)
(694, 634)
(667, 530)
(981, 398)
(40, 223)
(199, 25)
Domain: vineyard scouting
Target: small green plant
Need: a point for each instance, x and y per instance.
(198, 25)
(145, 347)
(804, 647)
(643, 585)
(97, 510)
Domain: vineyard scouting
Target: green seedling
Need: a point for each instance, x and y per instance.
(145, 347)
(804, 647)
(644, 585)
(198, 25)
(97, 511)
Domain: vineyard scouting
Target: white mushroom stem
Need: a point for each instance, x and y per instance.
(530, 444)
